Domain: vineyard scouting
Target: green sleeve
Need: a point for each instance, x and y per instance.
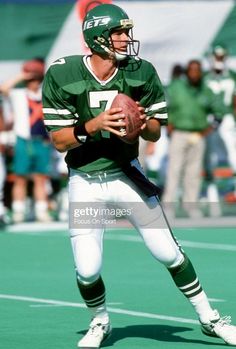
(57, 108)
(154, 97)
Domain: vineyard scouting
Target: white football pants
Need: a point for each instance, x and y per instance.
(227, 131)
(87, 243)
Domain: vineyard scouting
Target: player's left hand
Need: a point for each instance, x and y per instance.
(143, 116)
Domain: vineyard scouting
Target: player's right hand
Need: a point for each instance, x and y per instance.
(110, 120)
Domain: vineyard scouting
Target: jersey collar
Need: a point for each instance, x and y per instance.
(86, 60)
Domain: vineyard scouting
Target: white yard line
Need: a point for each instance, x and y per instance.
(41, 305)
(27, 230)
(110, 309)
(184, 243)
(208, 246)
(216, 300)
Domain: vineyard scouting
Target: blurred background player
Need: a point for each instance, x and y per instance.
(32, 146)
(187, 108)
(221, 142)
(59, 188)
(155, 155)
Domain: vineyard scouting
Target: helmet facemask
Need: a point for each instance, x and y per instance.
(131, 50)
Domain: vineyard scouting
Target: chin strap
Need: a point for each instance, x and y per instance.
(118, 56)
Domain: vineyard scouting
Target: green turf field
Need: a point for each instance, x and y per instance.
(40, 306)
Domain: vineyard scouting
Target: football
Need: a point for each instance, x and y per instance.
(132, 119)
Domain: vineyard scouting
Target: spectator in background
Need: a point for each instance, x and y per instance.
(59, 179)
(32, 148)
(188, 105)
(156, 154)
(178, 72)
(221, 143)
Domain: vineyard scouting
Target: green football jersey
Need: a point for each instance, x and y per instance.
(72, 95)
(188, 105)
(223, 88)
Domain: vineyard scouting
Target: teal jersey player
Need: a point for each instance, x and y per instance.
(73, 95)
(223, 88)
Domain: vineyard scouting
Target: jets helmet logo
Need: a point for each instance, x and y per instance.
(96, 22)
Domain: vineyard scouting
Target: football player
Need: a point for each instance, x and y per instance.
(77, 95)
(222, 83)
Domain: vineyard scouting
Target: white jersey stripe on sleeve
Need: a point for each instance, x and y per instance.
(56, 111)
(160, 116)
(156, 106)
(60, 122)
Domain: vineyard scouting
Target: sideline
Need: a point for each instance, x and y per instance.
(205, 222)
(183, 243)
(59, 229)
